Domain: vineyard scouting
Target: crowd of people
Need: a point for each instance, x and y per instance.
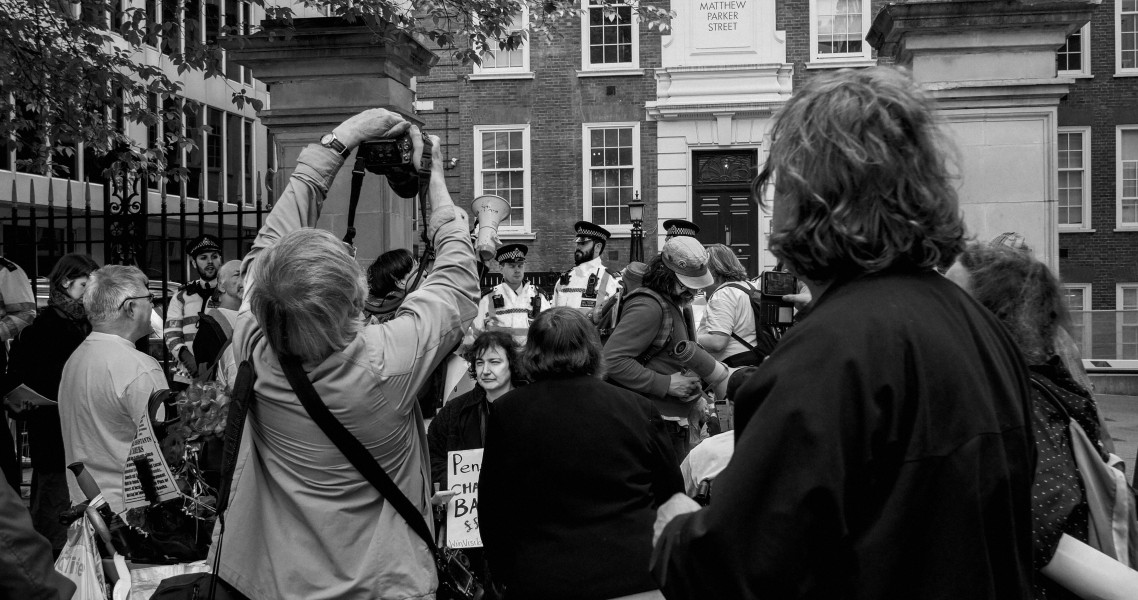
(907, 437)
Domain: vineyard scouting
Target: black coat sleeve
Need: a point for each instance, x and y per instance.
(26, 566)
(780, 498)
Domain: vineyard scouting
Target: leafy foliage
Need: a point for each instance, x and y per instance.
(72, 70)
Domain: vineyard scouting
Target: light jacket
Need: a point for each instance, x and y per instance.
(303, 522)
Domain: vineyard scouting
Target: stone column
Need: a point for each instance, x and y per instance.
(319, 73)
(992, 68)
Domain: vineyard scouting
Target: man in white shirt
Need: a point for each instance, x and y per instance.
(589, 284)
(107, 383)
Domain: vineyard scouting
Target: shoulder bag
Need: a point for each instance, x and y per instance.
(456, 582)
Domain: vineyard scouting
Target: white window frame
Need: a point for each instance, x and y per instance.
(1119, 177)
(521, 72)
(1084, 341)
(1119, 322)
(608, 68)
(866, 53)
(1086, 203)
(586, 179)
(1084, 52)
(527, 156)
(1118, 70)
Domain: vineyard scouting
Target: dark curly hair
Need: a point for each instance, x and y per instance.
(1022, 292)
(859, 164)
(384, 274)
(490, 339)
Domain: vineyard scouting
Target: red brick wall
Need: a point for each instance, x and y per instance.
(555, 103)
(1105, 257)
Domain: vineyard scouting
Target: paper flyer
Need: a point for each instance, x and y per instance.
(463, 467)
(146, 445)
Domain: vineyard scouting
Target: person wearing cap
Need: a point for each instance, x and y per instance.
(679, 228)
(192, 301)
(651, 323)
(513, 304)
(587, 285)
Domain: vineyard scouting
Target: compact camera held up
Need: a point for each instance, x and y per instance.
(771, 309)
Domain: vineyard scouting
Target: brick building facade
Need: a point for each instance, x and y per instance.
(1098, 162)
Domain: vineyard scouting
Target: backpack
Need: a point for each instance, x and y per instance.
(1113, 517)
(765, 339)
(663, 335)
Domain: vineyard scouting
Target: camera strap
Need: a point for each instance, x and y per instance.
(354, 451)
(354, 200)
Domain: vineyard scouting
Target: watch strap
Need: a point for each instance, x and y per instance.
(335, 145)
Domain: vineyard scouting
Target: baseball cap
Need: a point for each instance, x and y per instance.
(687, 258)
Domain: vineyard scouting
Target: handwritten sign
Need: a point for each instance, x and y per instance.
(145, 445)
(463, 467)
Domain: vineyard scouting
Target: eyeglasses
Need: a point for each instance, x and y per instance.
(150, 296)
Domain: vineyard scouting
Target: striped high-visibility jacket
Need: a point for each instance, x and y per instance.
(183, 313)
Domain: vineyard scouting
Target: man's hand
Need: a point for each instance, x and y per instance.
(371, 124)
(682, 386)
(677, 505)
(187, 359)
(800, 300)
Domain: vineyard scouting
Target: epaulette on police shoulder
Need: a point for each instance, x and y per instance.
(11, 266)
(564, 278)
(613, 274)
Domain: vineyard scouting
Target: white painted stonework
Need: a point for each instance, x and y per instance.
(724, 75)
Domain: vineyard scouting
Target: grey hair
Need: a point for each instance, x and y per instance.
(227, 272)
(307, 293)
(108, 288)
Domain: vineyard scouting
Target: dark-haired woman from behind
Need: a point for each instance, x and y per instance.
(572, 473)
(37, 360)
(1026, 297)
(387, 281)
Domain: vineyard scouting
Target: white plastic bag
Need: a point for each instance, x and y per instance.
(79, 561)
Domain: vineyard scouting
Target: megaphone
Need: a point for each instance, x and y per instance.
(489, 210)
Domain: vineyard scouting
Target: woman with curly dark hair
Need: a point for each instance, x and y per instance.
(883, 448)
(461, 423)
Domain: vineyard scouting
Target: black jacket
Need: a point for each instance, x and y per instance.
(571, 477)
(37, 360)
(458, 426)
(882, 451)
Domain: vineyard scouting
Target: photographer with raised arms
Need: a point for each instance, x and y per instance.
(303, 521)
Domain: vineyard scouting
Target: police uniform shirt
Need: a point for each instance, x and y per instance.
(572, 293)
(514, 315)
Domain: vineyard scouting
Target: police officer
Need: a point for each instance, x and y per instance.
(513, 304)
(587, 285)
(191, 302)
(679, 228)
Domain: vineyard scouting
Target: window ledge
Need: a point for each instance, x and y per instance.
(1075, 75)
(841, 63)
(484, 76)
(626, 72)
(528, 236)
(1133, 73)
(1126, 229)
(1075, 230)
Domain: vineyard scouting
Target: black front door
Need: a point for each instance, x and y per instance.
(722, 204)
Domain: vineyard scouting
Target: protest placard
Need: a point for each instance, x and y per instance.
(463, 467)
(145, 446)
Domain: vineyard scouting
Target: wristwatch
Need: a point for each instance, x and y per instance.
(330, 142)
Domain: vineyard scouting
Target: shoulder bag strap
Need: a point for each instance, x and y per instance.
(355, 452)
(747, 290)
